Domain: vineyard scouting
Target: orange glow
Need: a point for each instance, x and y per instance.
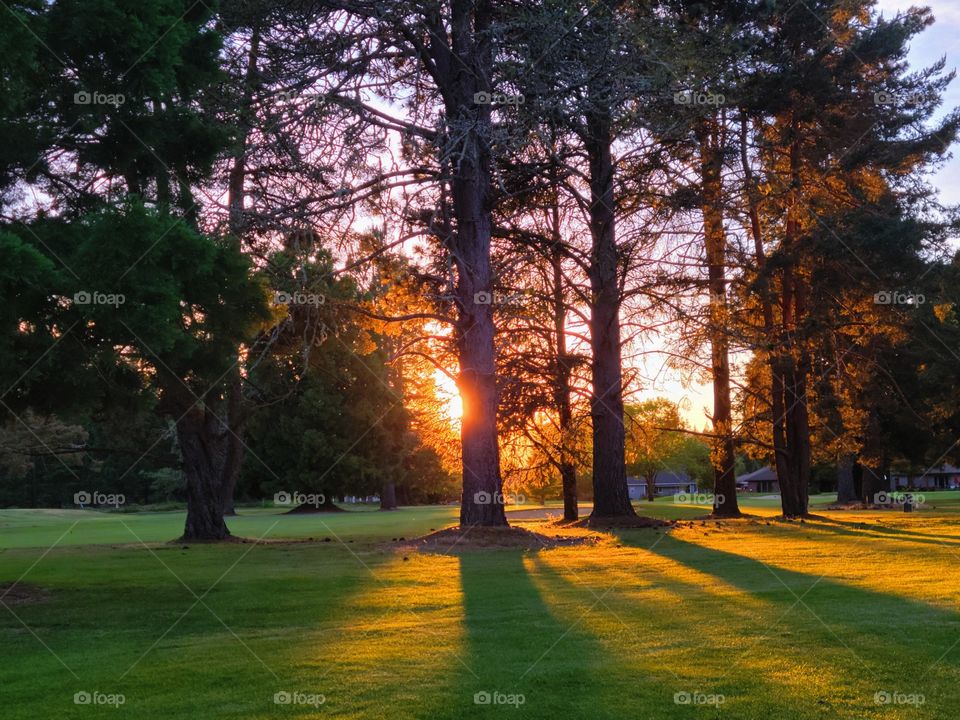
(449, 395)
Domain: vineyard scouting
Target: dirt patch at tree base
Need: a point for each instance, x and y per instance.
(456, 539)
(22, 594)
(621, 522)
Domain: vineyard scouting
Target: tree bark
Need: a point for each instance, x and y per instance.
(562, 393)
(610, 495)
(236, 194)
(201, 436)
(715, 243)
(459, 69)
(775, 359)
(795, 501)
(846, 487)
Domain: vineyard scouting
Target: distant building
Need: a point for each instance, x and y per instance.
(665, 483)
(763, 480)
(945, 477)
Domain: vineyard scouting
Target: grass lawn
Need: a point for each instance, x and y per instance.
(776, 620)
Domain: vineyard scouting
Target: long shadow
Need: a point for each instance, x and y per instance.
(514, 645)
(129, 625)
(670, 648)
(862, 529)
(886, 632)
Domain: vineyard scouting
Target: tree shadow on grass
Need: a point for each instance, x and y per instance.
(874, 530)
(515, 646)
(893, 641)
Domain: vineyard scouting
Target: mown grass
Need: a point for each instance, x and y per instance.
(790, 620)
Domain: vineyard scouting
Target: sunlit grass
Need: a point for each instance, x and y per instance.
(782, 619)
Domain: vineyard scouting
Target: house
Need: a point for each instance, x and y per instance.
(665, 483)
(763, 480)
(944, 477)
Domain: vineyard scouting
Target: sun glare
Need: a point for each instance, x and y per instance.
(449, 395)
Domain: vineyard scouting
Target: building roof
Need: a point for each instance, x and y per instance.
(761, 475)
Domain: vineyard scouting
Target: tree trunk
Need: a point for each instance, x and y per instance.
(388, 497)
(846, 487)
(610, 495)
(873, 483)
(200, 434)
(236, 194)
(650, 475)
(562, 395)
(775, 360)
(469, 122)
(715, 243)
(234, 442)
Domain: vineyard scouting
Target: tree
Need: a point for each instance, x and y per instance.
(655, 440)
(827, 141)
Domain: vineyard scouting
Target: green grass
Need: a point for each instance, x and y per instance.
(783, 620)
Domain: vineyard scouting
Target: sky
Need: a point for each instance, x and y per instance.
(940, 40)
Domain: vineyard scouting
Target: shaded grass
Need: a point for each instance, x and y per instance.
(602, 631)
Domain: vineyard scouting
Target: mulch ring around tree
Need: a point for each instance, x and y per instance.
(621, 522)
(22, 594)
(457, 539)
